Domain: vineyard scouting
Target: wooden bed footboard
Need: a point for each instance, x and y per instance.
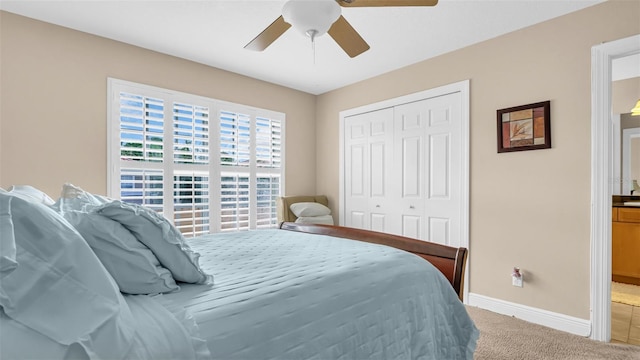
(449, 260)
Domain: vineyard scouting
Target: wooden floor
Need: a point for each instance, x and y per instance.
(625, 323)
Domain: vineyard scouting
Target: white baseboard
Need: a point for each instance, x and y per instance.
(546, 318)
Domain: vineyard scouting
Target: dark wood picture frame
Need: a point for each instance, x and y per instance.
(525, 127)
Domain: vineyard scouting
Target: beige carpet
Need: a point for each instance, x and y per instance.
(625, 293)
(507, 338)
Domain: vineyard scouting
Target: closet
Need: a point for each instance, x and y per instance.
(405, 167)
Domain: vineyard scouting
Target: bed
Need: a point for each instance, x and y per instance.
(298, 292)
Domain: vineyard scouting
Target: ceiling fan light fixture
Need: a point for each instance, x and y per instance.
(312, 18)
(636, 109)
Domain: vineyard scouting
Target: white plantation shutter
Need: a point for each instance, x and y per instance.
(234, 202)
(268, 158)
(191, 146)
(235, 139)
(160, 155)
(268, 143)
(191, 211)
(268, 189)
(143, 187)
(141, 127)
(190, 134)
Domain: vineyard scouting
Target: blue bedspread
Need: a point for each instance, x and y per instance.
(288, 295)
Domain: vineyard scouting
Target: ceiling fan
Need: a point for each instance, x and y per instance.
(317, 17)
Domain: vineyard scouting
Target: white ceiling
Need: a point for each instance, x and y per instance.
(214, 33)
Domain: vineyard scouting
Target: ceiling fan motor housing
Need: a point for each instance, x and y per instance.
(317, 17)
(311, 17)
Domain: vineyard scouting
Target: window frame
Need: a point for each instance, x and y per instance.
(170, 168)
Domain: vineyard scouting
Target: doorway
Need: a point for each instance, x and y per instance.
(601, 184)
(625, 269)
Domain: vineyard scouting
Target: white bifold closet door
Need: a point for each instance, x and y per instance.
(368, 165)
(401, 175)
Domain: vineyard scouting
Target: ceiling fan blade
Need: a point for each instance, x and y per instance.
(376, 3)
(347, 37)
(268, 35)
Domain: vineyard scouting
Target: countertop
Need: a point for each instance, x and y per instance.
(619, 200)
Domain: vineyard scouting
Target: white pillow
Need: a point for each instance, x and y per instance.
(322, 219)
(60, 288)
(30, 193)
(159, 235)
(131, 264)
(303, 209)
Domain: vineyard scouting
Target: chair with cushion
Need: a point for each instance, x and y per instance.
(304, 208)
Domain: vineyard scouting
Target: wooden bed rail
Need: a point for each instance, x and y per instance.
(449, 260)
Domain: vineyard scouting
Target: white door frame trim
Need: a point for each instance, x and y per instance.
(463, 88)
(602, 180)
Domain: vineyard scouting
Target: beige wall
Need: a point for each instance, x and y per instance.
(53, 104)
(528, 209)
(624, 95)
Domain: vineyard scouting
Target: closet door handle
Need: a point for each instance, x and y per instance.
(377, 206)
(411, 207)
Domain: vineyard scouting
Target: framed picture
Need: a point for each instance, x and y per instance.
(526, 127)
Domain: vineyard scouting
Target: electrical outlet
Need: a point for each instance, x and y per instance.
(516, 281)
(516, 277)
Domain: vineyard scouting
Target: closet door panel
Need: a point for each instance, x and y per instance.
(356, 219)
(380, 150)
(411, 226)
(356, 172)
(378, 169)
(411, 166)
(378, 222)
(409, 145)
(439, 180)
(439, 230)
(368, 155)
(442, 213)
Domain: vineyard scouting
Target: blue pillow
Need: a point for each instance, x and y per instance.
(131, 264)
(31, 194)
(59, 288)
(73, 198)
(7, 241)
(164, 240)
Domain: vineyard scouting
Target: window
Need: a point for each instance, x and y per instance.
(162, 154)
